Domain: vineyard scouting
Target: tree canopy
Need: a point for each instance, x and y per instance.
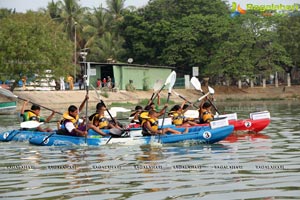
(32, 43)
(183, 34)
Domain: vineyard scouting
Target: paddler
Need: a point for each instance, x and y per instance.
(205, 113)
(98, 120)
(136, 114)
(150, 126)
(34, 115)
(70, 124)
(177, 115)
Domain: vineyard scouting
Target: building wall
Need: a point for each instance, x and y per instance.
(141, 76)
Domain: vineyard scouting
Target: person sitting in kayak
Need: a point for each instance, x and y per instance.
(34, 115)
(98, 120)
(205, 114)
(136, 114)
(150, 126)
(177, 115)
(144, 114)
(70, 124)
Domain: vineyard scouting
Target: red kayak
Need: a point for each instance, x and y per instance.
(251, 125)
(256, 123)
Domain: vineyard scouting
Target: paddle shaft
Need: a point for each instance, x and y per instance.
(213, 105)
(163, 120)
(186, 100)
(46, 138)
(154, 95)
(39, 105)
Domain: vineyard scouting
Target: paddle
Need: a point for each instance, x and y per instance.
(157, 85)
(211, 91)
(182, 97)
(172, 83)
(12, 95)
(197, 85)
(168, 80)
(102, 102)
(87, 80)
(30, 124)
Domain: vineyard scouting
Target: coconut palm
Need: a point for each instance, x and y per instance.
(96, 24)
(115, 8)
(109, 46)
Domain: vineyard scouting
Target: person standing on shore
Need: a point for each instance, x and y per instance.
(71, 82)
(62, 83)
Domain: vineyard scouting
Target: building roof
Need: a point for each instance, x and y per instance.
(131, 65)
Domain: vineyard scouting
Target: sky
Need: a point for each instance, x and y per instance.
(24, 5)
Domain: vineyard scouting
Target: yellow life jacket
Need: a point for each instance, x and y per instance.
(153, 123)
(143, 116)
(206, 117)
(177, 118)
(67, 117)
(29, 115)
(103, 121)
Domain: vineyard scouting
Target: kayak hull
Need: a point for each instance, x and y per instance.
(247, 125)
(19, 135)
(199, 134)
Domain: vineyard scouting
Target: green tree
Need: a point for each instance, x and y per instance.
(289, 37)
(115, 8)
(251, 48)
(176, 33)
(6, 12)
(107, 47)
(32, 43)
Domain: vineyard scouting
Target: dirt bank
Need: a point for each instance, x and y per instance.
(62, 99)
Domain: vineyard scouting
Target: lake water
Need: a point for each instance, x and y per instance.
(261, 166)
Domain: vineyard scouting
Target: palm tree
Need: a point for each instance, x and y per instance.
(96, 24)
(108, 47)
(54, 9)
(115, 8)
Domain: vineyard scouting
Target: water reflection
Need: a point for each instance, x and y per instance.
(244, 166)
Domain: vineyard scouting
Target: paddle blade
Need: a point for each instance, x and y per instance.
(169, 79)
(30, 124)
(172, 81)
(157, 85)
(196, 83)
(211, 90)
(7, 93)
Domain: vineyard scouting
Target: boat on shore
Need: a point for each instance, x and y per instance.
(8, 107)
(205, 135)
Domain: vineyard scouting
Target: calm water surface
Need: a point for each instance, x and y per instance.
(261, 166)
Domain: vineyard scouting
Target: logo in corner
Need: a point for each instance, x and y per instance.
(237, 10)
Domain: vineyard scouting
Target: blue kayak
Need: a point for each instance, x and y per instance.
(204, 135)
(24, 135)
(19, 135)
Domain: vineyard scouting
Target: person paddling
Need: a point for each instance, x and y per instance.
(70, 124)
(34, 115)
(205, 113)
(177, 115)
(98, 120)
(150, 126)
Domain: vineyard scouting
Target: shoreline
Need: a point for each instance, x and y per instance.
(62, 99)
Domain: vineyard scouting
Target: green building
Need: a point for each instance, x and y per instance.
(143, 76)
